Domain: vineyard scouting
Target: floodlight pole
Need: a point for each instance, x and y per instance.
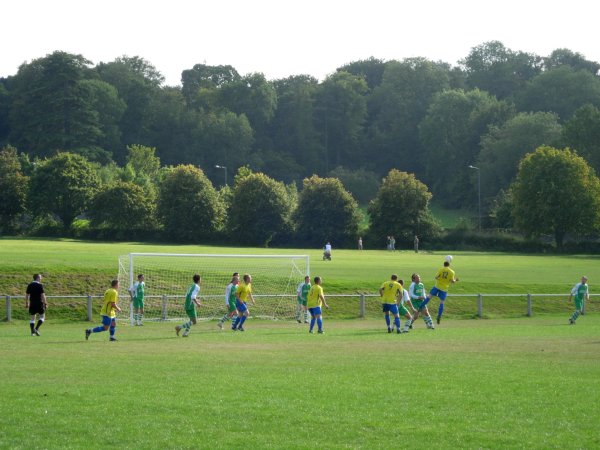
(217, 166)
(478, 193)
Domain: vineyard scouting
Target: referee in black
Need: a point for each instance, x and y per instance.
(35, 301)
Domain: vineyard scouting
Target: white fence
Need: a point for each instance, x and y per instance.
(84, 307)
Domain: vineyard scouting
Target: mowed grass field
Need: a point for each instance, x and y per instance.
(497, 383)
(510, 383)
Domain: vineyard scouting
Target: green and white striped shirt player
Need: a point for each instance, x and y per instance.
(191, 295)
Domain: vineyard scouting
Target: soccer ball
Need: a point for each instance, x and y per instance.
(448, 258)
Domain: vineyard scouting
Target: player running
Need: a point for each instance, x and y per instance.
(419, 300)
(390, 291)
(230, 299)
(192, 302)
(109, 312)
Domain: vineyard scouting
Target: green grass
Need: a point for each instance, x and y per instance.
(518, 383)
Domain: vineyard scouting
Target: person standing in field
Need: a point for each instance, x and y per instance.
(137, 297)
(416, 243)
(444, 278)
(108, 311)
(390, 291)
(360, 243)
(230, 299)
(581, 294)
(416, 292)
(243, 293)
(403, 310)
(192, 301)
(301, 297)
(314, 302)
(36, 304)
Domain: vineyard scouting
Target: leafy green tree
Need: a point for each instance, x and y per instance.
(362, 184)
(397, 106)
(504, 146)
(5, 102)
(370, 69)
(200, 84)
(341, 111)
(565, 57)
(582, 133)
(53, 106)
(189, 206)
(260, 209)
(401, 209)
(562, 90)
(123, 206)
(502, 72)
(450, 135)
(13, 189)
(557, 193)
(63, 186)
(326, 212)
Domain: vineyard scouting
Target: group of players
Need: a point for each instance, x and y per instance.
(310, 300)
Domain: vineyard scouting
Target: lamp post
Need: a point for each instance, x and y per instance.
(478, 193)
(225, 169)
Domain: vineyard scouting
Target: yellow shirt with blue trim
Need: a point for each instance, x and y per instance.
(444, 278)
(110, 296)
(314, 296)
(243, 291)
(391, 289)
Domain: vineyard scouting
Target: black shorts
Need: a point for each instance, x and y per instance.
(36, 308)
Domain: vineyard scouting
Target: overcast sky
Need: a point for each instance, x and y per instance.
(288, 37)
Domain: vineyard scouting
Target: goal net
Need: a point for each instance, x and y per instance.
(169, 276)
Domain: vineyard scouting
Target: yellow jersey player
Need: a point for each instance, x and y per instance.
(444, 278)
(314, 301)
(108, 311)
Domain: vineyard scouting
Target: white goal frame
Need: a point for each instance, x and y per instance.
(271, 304)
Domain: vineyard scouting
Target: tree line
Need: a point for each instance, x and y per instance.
(555, 192)
(419, 116)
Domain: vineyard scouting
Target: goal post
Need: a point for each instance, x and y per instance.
(169, 275)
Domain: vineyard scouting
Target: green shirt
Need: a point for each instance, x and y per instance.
(191, 295)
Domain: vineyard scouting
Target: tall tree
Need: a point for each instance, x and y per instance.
(504, 146)
(556, 192)
(13, 189)
(502, 72)
(397, 106)
(450, 134)
(371, 69)
(53, 108)
(202, 79)
(565, 57)
(401, 209)
(63, 186)
(562, 90)
(326, 212)
(260, 210)
(582, 133)
(123, 206)
(341, 111)
(189, 206)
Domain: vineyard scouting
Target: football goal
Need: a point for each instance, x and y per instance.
(168, 277)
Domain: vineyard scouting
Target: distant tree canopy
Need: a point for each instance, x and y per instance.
(422, 117)
(556, 192)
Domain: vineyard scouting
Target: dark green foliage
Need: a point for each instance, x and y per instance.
(326, 212)
(123, 206)
(261, 209)
(13, 189)
(556, 193)
(400, 209)
(63, 186)
(189, 205)
(362, 184)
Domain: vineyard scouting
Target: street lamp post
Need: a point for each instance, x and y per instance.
(225, 169)
(478, 193)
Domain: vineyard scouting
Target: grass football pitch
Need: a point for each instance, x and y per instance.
(500, 383)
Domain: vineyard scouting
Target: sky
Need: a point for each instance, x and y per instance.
(287, 37)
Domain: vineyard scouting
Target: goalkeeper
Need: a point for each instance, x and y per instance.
(230, 299)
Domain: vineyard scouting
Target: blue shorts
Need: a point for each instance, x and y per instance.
(316, 311)
(240, 306)
(435, 292)
(108, 321)
(390, 307)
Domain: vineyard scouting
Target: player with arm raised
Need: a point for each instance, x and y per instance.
(230, 299)
(243, 293)
(192, 301)
(137, 297)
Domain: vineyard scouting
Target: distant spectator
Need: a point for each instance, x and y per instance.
(416, 244)
(360, 245)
